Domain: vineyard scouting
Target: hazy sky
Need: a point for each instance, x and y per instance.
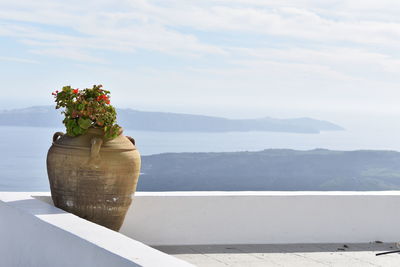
(233, 58)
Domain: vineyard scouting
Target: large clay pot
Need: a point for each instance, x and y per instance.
(93, 177)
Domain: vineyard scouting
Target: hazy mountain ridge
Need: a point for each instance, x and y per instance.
(272, 169)
(47, 116)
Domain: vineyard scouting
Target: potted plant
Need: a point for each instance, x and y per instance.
(93, 168)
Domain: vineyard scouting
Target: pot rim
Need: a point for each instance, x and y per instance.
(88, 148)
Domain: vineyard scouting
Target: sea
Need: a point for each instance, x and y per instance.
(23, 149)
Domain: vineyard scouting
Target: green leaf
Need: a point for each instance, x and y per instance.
(86, 105)
(84, 123)
(78, 130)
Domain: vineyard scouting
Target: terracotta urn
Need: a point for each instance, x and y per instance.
(94, 177)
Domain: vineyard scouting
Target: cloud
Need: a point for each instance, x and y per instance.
(131, 25)
(67, 53)
(20, 60)
(328, 51)
(93, 29)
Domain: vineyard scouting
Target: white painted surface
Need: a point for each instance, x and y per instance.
(179, 218)
(190, 218)
(34, 233)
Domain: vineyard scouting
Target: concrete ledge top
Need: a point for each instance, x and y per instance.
(214, 217)
(268, 193)
(14, 195)
(25, 208)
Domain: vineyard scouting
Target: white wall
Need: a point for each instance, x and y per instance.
(34, 233)
(263, 217)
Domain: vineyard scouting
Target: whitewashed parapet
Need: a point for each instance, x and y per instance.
(178, 218)
(34, 233)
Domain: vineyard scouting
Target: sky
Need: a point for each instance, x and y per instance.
(236, 58)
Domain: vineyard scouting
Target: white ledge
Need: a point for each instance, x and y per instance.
(254, 217)
(46, 236)
(267, 193)
(34, 233)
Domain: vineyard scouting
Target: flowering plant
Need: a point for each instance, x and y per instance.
(87, 108)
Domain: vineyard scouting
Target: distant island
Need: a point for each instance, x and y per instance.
(272, 169)
(47, 116)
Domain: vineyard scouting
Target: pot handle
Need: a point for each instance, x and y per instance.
(132, 140)
(95, 149)
(57, 135)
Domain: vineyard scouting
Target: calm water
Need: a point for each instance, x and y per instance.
(23, 149)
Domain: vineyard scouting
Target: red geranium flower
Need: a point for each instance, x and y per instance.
(103, 97)
(86, 108)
